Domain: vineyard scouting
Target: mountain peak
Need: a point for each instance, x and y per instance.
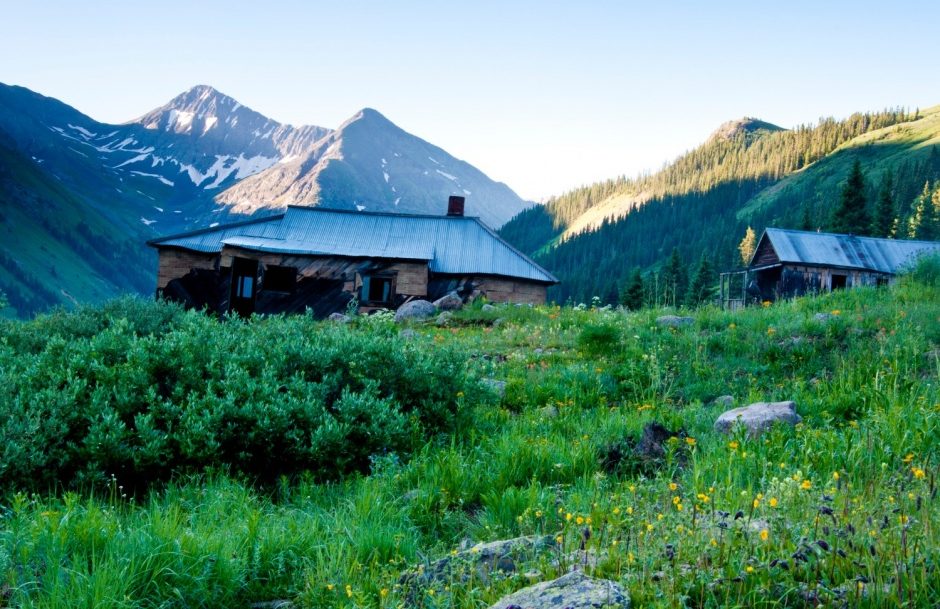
(746, 125)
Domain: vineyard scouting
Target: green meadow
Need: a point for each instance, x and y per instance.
(154, 457)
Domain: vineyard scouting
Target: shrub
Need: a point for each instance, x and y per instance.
(141, 390)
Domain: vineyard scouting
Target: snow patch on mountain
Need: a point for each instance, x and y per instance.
(154, 175)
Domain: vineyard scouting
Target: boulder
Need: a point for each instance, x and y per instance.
(416, 310)
(487, 308)
(725, 401)
(339, 318)
(497, 387)
(449, 302)
(479, 561)
(443, 320)
(548, 412)
(572, 591)
(674, 321)
(758, 417)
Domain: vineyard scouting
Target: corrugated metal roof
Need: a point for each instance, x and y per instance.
(452, 245)
(847, 251)
(209, 240)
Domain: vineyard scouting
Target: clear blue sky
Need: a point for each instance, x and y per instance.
(544, 96)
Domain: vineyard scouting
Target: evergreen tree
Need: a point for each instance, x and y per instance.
(806, 219)
(883, 222)
(918, 225)
(700, 288)
(632, 294)
(924, 223)
(748, 245)
(675, 279)
(852, 215)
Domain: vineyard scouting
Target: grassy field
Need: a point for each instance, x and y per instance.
(841, 510)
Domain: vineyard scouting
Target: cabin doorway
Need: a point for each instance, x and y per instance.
(838, 281)
(244, 286)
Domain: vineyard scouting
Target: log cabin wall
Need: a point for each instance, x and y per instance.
(510, 290)
(174, 264)
(411, 277)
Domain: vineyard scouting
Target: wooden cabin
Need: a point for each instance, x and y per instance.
(788, 263)
(320, 259)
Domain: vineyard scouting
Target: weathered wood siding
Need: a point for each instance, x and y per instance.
(510, 290)
(765, 254)
(411, 277)
(174, 264)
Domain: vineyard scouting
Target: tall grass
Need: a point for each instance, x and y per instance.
(841, 510)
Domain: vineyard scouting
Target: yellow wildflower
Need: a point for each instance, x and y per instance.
(773, 502)
(806, 485)
(764, 534)
(909, 458)
(690, 441)
(733, 445)
(918, 472)
(673, 486)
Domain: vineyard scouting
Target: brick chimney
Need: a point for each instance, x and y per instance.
(455, 206)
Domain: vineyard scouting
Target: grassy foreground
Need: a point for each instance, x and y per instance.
(841, 510)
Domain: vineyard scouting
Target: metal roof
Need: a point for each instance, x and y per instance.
(846, 251)
(209, 240)
(450, 244)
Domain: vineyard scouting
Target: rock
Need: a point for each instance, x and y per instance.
(497, 387)
(499, 321)
(487, 308)
(282, 604)
(416, 310)
(443, 319)
(479, 561)
(449, 302)
(339, 318)
(652, 445)
(725, 401)
(674, 321)
(408, 334)
(572, 591)
(538, 351)
(548, 412)
(758, 417)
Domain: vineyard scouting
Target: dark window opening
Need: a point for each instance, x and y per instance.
(280, 278)
(377, 290)
(244, 287)
(881, 280)
(839, 281)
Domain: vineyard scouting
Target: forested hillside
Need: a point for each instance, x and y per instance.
(696, 211)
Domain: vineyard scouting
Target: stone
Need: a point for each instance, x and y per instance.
(479, 561)
(416, 310)
(499, 321)
(548, 412)
(443, 320)
(449, 302)
(758, 417)
(487, 308)
(339, 318)
(725, 401)
(574, 590)
(497, 387)
(674, 321)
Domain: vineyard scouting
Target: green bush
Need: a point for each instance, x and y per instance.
(140, 390)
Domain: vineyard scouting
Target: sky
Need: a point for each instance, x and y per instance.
(544, 96)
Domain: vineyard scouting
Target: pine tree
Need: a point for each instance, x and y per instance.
(918, 225)
(806, 219)
(852, 215)
(883, 222)
(700, 288)
(748, 245)
(632, 294)
(674, 279)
